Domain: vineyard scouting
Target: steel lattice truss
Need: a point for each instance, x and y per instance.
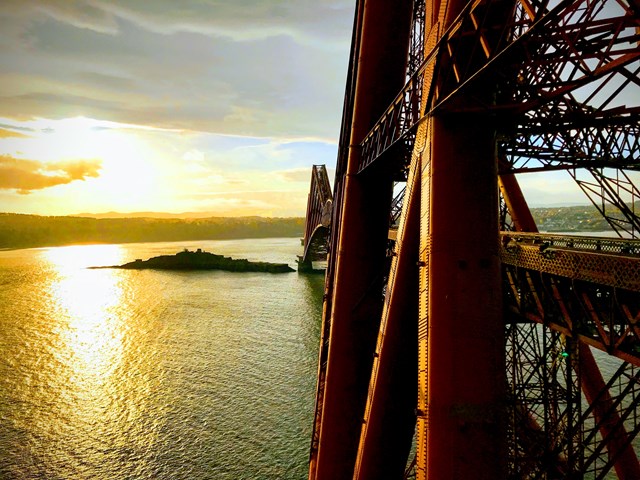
(580, 292)
(562, 296)
(555, 430)
(318, 218)
(567, 98)
(614, 194)
(575, 96)
(578, 69)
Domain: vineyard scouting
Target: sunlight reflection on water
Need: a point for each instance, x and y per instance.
(87, 304)
(155, 375)
(88, 352)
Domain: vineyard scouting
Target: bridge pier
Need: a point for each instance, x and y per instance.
(304, 266)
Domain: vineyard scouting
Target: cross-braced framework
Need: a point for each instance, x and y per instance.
(552, 318)
(557, 84)
(545, 403)
(555, 430)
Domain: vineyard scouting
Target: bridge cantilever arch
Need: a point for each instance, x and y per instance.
(467, 345)
(318, 219)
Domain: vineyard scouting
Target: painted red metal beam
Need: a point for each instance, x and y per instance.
(618, 446)
(466, 389)
(516, 204)
(361, 249)
(389, 419)
(542, 89)
(458, 316)
(461, 417)
(599, 268)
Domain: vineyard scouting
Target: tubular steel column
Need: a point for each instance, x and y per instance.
(465, 435)
(516, 204)
(618, 445)
(390, 414)
(357, 299)
(548, 85)
(462, 398)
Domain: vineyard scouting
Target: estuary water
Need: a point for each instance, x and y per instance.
(142, 374)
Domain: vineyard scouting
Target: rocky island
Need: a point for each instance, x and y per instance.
(201, 260)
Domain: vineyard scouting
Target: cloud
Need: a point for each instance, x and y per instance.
(193, 155)
(9, 133)
(279, 73)
(258, 19)
(217, 95)
(24, 176)
(302, 174)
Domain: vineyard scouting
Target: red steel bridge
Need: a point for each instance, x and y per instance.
(458, 342)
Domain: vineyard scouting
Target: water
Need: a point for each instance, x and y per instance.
(141, 374)
(121, 374)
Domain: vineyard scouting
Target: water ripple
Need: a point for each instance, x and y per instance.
(155, 375)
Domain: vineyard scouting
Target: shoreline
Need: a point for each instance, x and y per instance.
(83, 244)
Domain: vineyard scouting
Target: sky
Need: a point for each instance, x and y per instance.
(190, 106)
(163, 106)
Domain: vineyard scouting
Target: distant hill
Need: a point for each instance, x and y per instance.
(183, 215)
(580, 218)
(23, 231)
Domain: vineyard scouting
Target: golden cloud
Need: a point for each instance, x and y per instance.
(9, 133)
(24, 175)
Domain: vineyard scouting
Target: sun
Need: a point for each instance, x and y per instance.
(129, 166)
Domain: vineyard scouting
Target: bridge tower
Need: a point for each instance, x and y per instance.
(459, 342)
